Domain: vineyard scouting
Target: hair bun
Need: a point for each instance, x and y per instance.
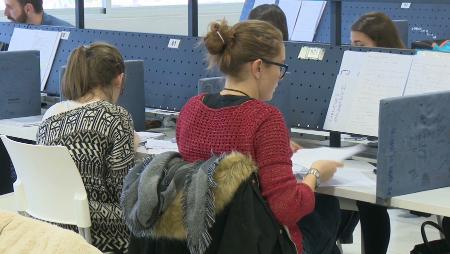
(218, 38)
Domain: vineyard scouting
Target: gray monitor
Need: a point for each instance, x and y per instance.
(210, 85)
(20, 84)
(403, 29)
(133, 97)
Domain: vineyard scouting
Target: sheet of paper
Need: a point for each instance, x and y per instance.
(45, 41)
(145, 135)
(430, 72)
(381, 75)
(354, 173)
(307, 21)
(304, 158)
(344, 89)
(156, 146)
(261, 2)
(29, 121)
(291, 8)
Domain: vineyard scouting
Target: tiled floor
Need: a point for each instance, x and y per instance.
(405, 233)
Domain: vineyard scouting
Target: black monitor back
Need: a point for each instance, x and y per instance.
(133, 97)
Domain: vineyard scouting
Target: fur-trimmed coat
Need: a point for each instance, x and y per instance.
(243, 222)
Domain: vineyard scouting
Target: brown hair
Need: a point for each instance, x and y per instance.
(380, 28)
(37, 4)
(272, 14)
(230, 47)
(90, 67)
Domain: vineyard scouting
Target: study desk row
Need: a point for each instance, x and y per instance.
(432, 201)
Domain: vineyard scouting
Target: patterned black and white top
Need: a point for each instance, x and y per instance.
(99, 136)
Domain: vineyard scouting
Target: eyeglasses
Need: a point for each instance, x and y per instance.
(283, 67)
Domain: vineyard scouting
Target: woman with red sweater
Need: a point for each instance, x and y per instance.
(251, 54)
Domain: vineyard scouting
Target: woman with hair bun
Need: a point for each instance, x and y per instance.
(251, 54)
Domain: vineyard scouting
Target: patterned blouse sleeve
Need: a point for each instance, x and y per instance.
(121, 157)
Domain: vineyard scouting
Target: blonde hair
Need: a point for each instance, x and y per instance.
(230, 47)
(90, 67)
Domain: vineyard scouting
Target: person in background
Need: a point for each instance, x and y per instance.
(31, 12)
(98, 134)
(375, 29)
(251, 54)
(274, 15)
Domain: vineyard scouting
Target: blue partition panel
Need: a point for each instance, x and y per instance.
(20, 87)
(413, 144)
(171, 74)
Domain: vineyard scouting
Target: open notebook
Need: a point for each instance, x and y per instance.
(365, 78)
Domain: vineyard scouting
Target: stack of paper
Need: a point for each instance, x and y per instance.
(304, 158)
(353, 173)
(45, 41)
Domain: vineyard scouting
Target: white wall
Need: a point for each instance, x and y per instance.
(157, 19)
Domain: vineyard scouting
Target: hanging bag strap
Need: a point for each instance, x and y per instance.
(424, 236)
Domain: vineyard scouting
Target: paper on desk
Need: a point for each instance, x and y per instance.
(45, 41)
(354, 173)
(28, 121)
(145, 135)
(304, 158)
(156, 146)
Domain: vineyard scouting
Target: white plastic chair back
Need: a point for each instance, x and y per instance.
(49, 185)
(8, 202)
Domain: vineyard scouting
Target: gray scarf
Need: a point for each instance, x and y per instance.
(151, 186)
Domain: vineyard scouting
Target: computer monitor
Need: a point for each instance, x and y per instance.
(20, 84)
(403, 30)
(210, 85)
(133, 97)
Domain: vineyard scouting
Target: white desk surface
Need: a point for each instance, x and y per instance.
(433, 201)
(23, 127)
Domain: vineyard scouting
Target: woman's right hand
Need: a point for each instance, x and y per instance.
(326, 168)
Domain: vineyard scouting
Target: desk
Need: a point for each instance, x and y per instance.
(432, 201)
(23, 127)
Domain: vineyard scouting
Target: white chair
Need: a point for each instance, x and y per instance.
(49, 185)
(7, 202)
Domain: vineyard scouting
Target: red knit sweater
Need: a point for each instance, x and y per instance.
(257, 129)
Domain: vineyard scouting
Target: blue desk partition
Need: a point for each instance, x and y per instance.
(20, 84)
(171, 75)
(413, 144)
